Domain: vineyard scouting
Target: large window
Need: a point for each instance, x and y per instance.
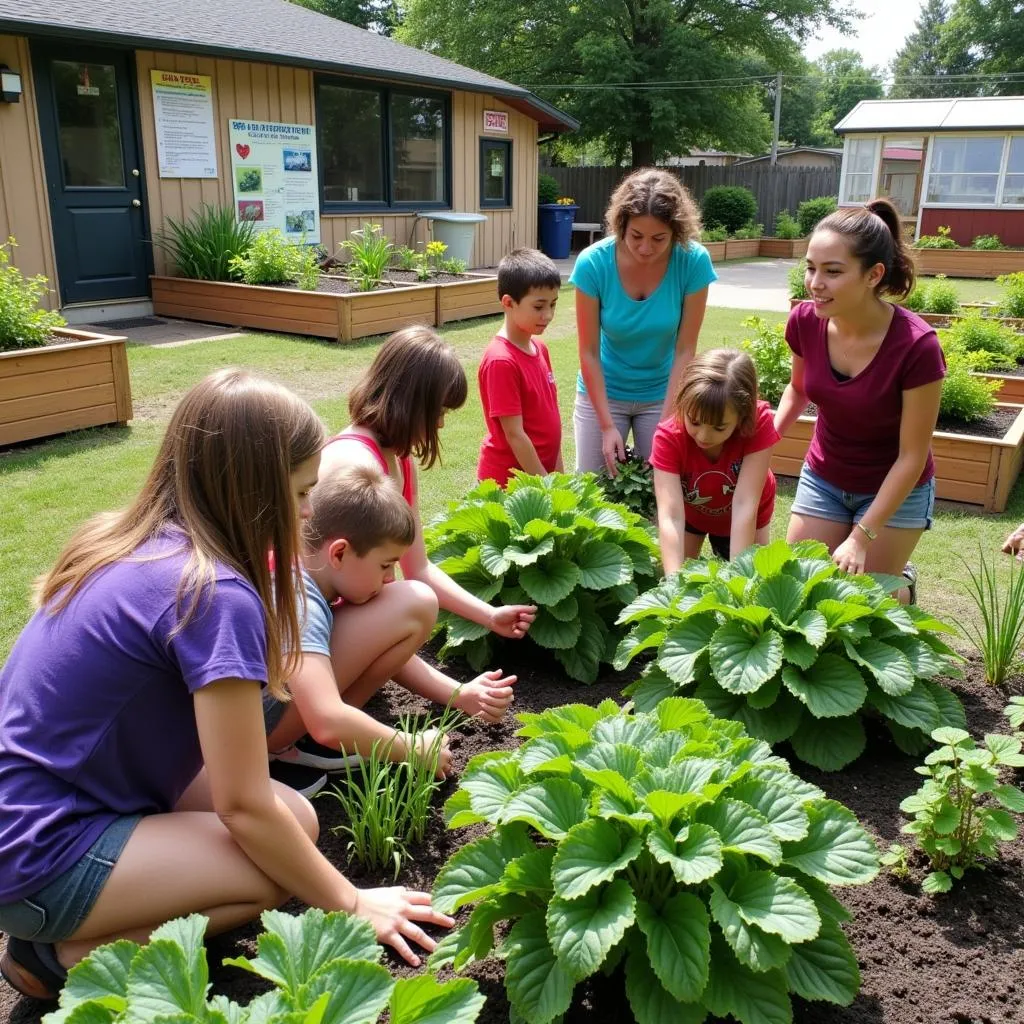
(382, 147)
(859, 168)
(1013, 184)
(965, 170)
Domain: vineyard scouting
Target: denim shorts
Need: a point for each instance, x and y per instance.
(818, 498)
(273, 711)
(56, 911)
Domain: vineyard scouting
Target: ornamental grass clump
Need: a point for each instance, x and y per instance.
(666, 845)
(324, 968)
(203, 246)
(553, 541)
(783, 641)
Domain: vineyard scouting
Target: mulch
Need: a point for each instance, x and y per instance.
(951, 959)
(995, 424)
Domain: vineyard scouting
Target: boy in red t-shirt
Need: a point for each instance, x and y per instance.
(711, 461)
(517, 384)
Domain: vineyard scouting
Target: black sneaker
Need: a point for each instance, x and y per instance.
(303, 779)
(308, 752)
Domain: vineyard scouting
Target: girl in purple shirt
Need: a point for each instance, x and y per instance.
(134, 784)
(874, 370)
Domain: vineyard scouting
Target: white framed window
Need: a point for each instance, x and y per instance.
(1013, 181)
(964, 170)
(859, 169)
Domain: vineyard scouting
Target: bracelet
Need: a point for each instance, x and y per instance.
(867, 531)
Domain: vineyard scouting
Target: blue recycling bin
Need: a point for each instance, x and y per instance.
(556, 229)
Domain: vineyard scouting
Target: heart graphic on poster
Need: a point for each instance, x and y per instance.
(241, 150)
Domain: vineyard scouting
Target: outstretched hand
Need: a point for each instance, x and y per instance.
(394, 913)
(613, 448)
(487, 697)
(513, 620)
(1014, 544)
(851, 555)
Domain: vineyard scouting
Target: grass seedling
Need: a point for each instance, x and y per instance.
(999, 633)
(895, 859)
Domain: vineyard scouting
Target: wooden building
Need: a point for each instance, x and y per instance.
(118, 115)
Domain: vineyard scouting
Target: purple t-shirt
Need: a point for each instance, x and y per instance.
(96, 714)
(857, 436)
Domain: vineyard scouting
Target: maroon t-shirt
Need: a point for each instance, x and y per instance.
(857, 436)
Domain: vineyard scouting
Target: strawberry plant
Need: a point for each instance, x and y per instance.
(783, 641)
(666, 842)
(552, 541)
(324, 968)
(632, 485)
(963, 811)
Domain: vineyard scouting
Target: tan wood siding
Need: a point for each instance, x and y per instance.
(24, 204)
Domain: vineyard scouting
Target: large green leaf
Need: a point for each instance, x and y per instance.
(526, 504)
(538, 986)
(566, 610)
(583, 931)
(425, 1000)
(752, 998)
(477, 869)
(781, 809)
(550, 580)
(770, 559)
(678, 939)
(742, 829)
(554, 633)
(643, 636)
(168, 978)
(777, 905)
(652, 688)
(812, 626)
(924, 660)
(890, 667)
(522, 552)
(829, 745)
(683, 645)
(553, 753)
(648, 999)
(825, 968)
(742, 660)
(530, 873)
(913, 710)
(622, 758)
(493, 559)
(491, 787)
(754, 947)
(694, 854)
(838, 613)
(951, 711)
(783, 595)
(836, 849)
(593, 852)
(583, 661)
(103, 973)
(461, 630)
(603, 565)
(350, 991)
(830, 688)
(552, 807)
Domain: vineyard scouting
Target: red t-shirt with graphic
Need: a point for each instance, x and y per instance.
(708, 486)
(517, 383)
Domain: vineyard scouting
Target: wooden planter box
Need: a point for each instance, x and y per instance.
(1011, 389)
(968, 262)
(462, 300)
(83, 383)
(948, 319)
(716, 250)
(783, 248)
(975, 470)
(742, 248)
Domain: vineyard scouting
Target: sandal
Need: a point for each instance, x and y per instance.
(910, 575)
(32, 968)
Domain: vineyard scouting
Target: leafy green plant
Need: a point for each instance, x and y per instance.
(810, 211)
(667, 843)
(1014, 711)
(917, 300)
(783, 641)
(422, 266)
(942, 240)
(271, 259)
(632, 485)
(963, 811)
(977, 333)
(404, 257)
(772, 357)
(369, 256)
(786, 225)
(553, 541)
(22, 323)
(941, 297)
(203, 246)
(716, 234)
(548, 189)
(965, 396)
(728, 206)
(324, 968)
(386, 800)
(1013, 300)
(896, 860)
(750, 230)
(987, 242)
(452, 265)
(797, 281)
(998, 629)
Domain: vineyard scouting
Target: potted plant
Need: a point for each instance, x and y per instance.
(53, 378)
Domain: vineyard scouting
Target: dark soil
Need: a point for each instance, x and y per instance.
(409, 276)
(995, 424)
(953, 959)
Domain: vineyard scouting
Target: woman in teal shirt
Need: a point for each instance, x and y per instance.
(640, 299)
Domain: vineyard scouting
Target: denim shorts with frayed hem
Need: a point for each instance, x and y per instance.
(56, 911)
(817, 497)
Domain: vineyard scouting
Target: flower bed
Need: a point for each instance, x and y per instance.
(81, 383)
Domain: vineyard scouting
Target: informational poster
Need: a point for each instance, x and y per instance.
(273, 167)
(186, 143)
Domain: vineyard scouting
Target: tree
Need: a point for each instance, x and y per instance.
(607, 62)
(989, 33)
(380, 16)
(926, 58)
(846, 82)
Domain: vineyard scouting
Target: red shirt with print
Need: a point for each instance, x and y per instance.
(517, 383)
(708, 485)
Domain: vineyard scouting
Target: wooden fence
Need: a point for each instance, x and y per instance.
(777, 188)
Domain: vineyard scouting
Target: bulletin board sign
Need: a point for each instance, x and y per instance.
(186, 142)
(274, 173)
(496, 121)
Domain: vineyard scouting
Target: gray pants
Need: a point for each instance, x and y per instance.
(640, 417)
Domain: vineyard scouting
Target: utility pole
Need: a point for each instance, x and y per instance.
(778, 115)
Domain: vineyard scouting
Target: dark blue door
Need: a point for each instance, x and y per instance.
(93, 171)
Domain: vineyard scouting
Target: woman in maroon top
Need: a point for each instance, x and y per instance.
(874, 370)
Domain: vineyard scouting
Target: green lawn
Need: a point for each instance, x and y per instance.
(971, 289)
(49, 488)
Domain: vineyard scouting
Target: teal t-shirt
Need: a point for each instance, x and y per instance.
(638, 337)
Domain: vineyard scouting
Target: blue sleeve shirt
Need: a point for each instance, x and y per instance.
(638, 337)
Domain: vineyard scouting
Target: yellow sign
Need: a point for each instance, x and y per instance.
(186, 141)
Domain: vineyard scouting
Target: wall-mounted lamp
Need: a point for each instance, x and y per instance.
(10, 85)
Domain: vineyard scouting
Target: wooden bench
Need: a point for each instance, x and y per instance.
(589, 229)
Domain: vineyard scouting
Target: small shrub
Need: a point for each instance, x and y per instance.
(716, 234)
(810, 211)
(453, 265)
(976, 333)
(632, 485)
(203, 246)
(942, 297)
(667, 842)
(405, 258)
(1013, 299)
(750, 230)
(322, 966)
(787, 226)
(728, 206)
(964, 811)
(987, 242)
(552, 541)
(369, 256)
(964, 396)
(797, 278)
(772, 357)
(22, 323)
(942, 240)
(917, 300)
(548, 189)
(272, 259)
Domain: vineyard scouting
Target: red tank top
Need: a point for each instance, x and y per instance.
(404, 463)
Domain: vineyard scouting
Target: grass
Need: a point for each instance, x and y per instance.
(47, 489)
(971, 289)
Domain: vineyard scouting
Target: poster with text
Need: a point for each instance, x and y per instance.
(273, 168)
(186, 142)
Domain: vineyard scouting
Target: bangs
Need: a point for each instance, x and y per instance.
(707, 402)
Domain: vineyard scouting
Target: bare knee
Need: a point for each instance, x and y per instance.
(301, 808)
(422, 603)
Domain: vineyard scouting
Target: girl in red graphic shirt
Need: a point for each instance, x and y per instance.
(711, 473)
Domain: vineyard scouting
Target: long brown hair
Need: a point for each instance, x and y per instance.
(414, 378)
(652, 192)
(223, 478)
(716, 379)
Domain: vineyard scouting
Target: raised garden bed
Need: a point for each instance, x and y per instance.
(783, 248)
(970, 468)
(745, 248)
(81, 381)
(988, 263)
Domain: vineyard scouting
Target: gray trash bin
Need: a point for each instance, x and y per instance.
(456, 230)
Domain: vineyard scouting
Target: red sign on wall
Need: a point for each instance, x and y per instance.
(496, 121)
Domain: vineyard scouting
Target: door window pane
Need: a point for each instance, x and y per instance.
(495, 173)
(350, 130)
(900, 171)
(88, 126)
(417, 139)
(965, 170)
